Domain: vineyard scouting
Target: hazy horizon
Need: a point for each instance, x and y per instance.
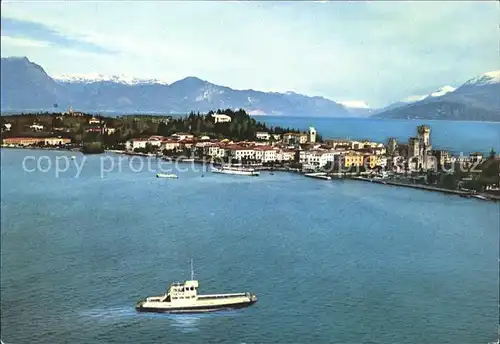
(361, 52)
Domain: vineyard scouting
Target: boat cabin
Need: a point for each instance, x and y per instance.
(178, 292)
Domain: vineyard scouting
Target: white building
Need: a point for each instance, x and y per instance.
(135, 143)
(155, 141)
(285, 155)
(182, 136)
(265, 154)
(109, 131)
(219, 118)
(317, 158)
(169, 145)
(294, 138)
(36, 127)
(262, 135)
(238, 152)
(215, 151)
(94, 120)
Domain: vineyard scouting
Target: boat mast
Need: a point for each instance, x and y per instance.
(192, 271)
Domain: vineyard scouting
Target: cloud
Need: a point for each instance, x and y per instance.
(355, 104)
(19, 31)
(376, 51)
(23, 42)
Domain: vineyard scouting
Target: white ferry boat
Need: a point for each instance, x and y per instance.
(236, 170)
(184, 298)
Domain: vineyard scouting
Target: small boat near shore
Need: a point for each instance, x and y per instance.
(481, 197)
(242, 171)
(184, 298)
(166, 175)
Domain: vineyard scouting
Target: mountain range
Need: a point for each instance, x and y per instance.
(25, 86)
(478, 99)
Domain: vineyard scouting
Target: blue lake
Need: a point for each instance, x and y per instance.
(331, 262)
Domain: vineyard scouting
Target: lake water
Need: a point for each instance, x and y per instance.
(456, 136)
(331, 262)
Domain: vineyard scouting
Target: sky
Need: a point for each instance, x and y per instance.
(356, 52)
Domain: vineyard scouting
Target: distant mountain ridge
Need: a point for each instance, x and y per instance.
(478, 99)
(27, 87)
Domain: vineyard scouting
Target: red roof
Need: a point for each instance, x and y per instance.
(264, 148)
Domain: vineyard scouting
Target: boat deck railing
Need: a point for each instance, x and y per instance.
(222, 296)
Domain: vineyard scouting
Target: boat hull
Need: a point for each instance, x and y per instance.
(236, 172)
(195, 309)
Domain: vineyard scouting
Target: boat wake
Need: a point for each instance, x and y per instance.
(185, 323)
(189, 323)
(110, 314)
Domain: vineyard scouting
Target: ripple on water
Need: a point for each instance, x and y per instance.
(184, 323)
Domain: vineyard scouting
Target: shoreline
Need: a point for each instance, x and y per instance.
(319, 175)
(482, 196)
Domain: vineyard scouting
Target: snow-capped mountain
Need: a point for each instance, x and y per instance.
(26, 86)
(96, 77)
(476, 99)
(442, 91)
(489, 78)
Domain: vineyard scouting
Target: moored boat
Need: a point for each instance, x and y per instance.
(236, 170)
(164, 175)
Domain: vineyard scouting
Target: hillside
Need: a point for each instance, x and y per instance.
(478, 99)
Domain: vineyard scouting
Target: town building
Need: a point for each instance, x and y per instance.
(215, 150)
(182, 136)
(138, 143)
(239, 152)
(94, 120)
(442, 157)
(476, 157)
(392, 146)
(169, 144)
(265, 154)
(350, 159)
(339, 144)
(36, 127)
(108, 130)
(285, 155)
(220, 118)
(316, 158)
(294, 138)
(262, 135)
(29, 141)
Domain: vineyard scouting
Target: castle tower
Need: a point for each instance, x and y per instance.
(424, 137)
(392, 145)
